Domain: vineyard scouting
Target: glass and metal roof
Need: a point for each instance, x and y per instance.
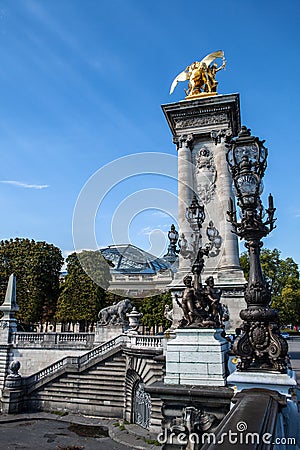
(126, 258)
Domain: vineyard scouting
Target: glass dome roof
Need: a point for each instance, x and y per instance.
(127, 258)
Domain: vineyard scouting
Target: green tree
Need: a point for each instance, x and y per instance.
(283, 278)
(153, 309)
(81, 298)
(288, 304)
(37, 267)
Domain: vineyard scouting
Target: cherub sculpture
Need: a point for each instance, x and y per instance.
(201, 75)
(194, 306)
(200, 305)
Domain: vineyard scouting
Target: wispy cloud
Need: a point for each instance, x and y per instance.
(147, 231)
(160, 214)
(25, 185)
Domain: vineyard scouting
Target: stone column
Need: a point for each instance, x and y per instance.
(184, 144)
(8, 326)
(230, 256)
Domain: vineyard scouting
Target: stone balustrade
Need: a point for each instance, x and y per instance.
(146, 341)
(78, 362)
(52, 340)
(75, 361)
(21, 339)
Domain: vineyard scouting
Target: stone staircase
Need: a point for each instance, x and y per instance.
(98, 390)
(95, 383)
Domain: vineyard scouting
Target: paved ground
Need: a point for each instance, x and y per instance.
(44, 431)
(54, 435)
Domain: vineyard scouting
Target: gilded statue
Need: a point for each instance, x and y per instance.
(201, 76)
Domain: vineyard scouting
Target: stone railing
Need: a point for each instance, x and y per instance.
(50, 340)
(146, 341)
(76, 363)
(58, 340)
(102, 349)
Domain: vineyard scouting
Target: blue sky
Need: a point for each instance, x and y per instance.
(81, 84)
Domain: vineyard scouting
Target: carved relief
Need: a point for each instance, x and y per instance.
(4, 324)
(206, 175)
(214, 119)
(192, 424)
(214, 238)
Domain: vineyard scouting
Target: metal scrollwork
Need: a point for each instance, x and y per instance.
(142, 406)
(260, 346)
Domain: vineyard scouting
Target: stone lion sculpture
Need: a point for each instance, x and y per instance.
(115, 314)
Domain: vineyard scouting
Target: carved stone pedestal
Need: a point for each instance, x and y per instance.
(280, 382)
(188, 412)
(197, 357)
(11, 401)
(107, 332)
(12, 394)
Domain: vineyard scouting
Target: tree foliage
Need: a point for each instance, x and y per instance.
(153, 309)
(81, 298)
(37, 267)
(288, 304)
(283, 278)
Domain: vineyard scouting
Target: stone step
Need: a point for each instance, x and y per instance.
(108, 366)
(107, 385)
(85, 393)
(95, 375)
(83, 382)
(77, 400)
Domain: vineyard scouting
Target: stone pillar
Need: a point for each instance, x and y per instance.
(9, 307)
(12, 395)
(8, 326)
(229, 261)
(202, 169)
(185, 192)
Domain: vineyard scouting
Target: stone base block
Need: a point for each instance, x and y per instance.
(11, 401)
(196, 357)
(106, 333)
(281, 382)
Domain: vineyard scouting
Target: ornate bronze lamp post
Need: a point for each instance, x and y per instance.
(195, 216)
(261, 345)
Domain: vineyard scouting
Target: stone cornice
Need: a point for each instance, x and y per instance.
(204, 115)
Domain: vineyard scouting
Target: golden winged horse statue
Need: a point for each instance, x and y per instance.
(201, 76)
